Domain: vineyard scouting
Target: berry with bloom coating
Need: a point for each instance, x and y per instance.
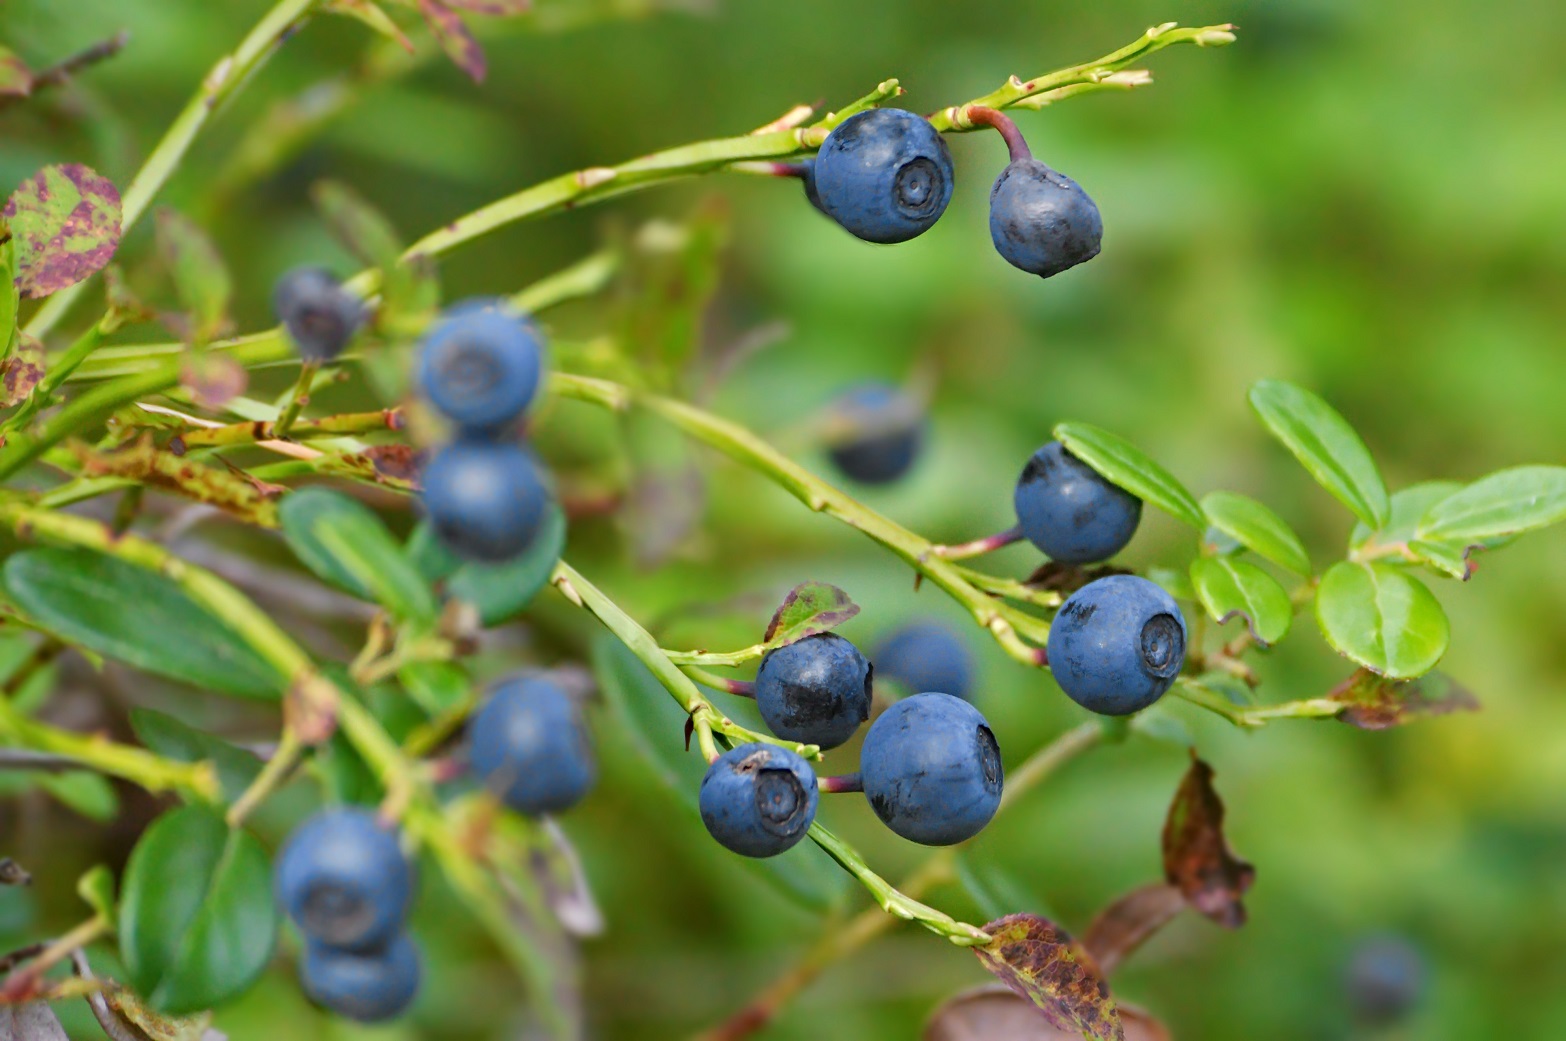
(926, 656)
(343, 879)
(481, 364)
(1069, 511)
(885, 175)
(485, 499)
(883, 432)
(1042, 221)
(1117, 644)
(318, 313)
(758, 800)
(529, 746)
(815, 691)
(932, 770)
(368, 986)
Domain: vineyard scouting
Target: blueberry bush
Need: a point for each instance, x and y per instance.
(442, 509)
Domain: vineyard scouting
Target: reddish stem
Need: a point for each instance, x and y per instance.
(787, 169)
(842, 783)
(1001, 123)
(978, 547)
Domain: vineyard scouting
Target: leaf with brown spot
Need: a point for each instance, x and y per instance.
(1037, 959)
(1129, 922)
(66, 223)
(20, 373)
(454, 38)
(396, 466)
(201, 280)
(1197, 857)
(16, 80)
(994, 1013)
(810, 608)
(398, 462)
(143, 461)
(1375, 703)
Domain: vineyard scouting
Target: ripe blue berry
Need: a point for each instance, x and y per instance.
(484, 499)
(815, 691)
(882, 432)
(1117, 644)
(758, 800)
(529, 746)
(343, 879)
(926, 656)
(481, 364)
(1042, 221)
(319, 314)
(1070, 512)
(932, 770)
(884, 174)
(368, 986)
(1385, 979)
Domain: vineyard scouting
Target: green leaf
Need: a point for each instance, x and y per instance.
(370, 13)
(1325, 445)
(1408, 505)
(96, 888)
(201, 280)
(1382, 618)
(173, 739)
(1038, 960)
(16, 80)
(437, 686)
(1176, 583)
(430, 555)
(1229, 587)
(66, 223)
(1257, 528)
(1507, 502)
(197, 924)
(345, 543)
(1128, 467)
(88, 794)
(136, 616)
(809, 608)
(501, 591)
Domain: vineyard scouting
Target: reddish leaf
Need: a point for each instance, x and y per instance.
(454, 38)
(994, 1013)
(1037, 959)
(66, 220)
(1376, 703)
(1197, 858)
(1129, 922)
(20, 373)
(809, 608)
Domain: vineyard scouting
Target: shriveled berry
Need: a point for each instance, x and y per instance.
(758, 800)
(1069, 511)
(485, 499)
(369, 986)
(926, 656)
(815, 691)
(319, 315)
(932, 770)
(882, 431)
(480, 364)
(529, 746)
(343, 879)
(1042, 221)
(1117, 644)
(884, 174)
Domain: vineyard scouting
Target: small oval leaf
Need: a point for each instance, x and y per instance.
(1504, 503)
(809, 608)
(1229, 587)
(197, 922)
(345, 543)
(174, 739)
(500, 591)
(1257, 528)
(1382, 618)
(1325, 445)
(136, 616)
(1037, 959)
(1127, 466)
(66, 222)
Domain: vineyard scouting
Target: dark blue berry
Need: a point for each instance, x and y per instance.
(1042, 221)
(318, 313)
(343, 879)
(882, 430)
(1385, 979)
(481, 364)
(368, 986)
(758, 800)
(1117, 644)
(926, 656)
(815, 691)
(529, 746)
(485, 499)
(807, 173)
(1070, 512)
(932, 770)
(885, 175)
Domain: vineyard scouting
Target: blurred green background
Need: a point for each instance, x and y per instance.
(1367, 199)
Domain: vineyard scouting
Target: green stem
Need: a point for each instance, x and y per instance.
(348, 423)
(1251, 718)
(296, 399)
(893, 901)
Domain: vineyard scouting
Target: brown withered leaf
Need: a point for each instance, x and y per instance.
(143, 461)
(1066, 579)
(20, 373)
(455, 38)
(995, 1013)
(1197, 857)
(1039, 960)
(1129, 922)
(1376, 703)
(396, 466)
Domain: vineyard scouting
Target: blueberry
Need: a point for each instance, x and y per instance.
(883, 430)
(1042, 221)
(1385, 979)
(529, 746)
(481, 364)
(932, 770)
(926, 656)
(369, 986)
(807, 173)
(319, 314)
(815, 691)
(1071, 513)
(884, 174)
(1117, 644)
(758, 800)
(342, 877)
(484, 499)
